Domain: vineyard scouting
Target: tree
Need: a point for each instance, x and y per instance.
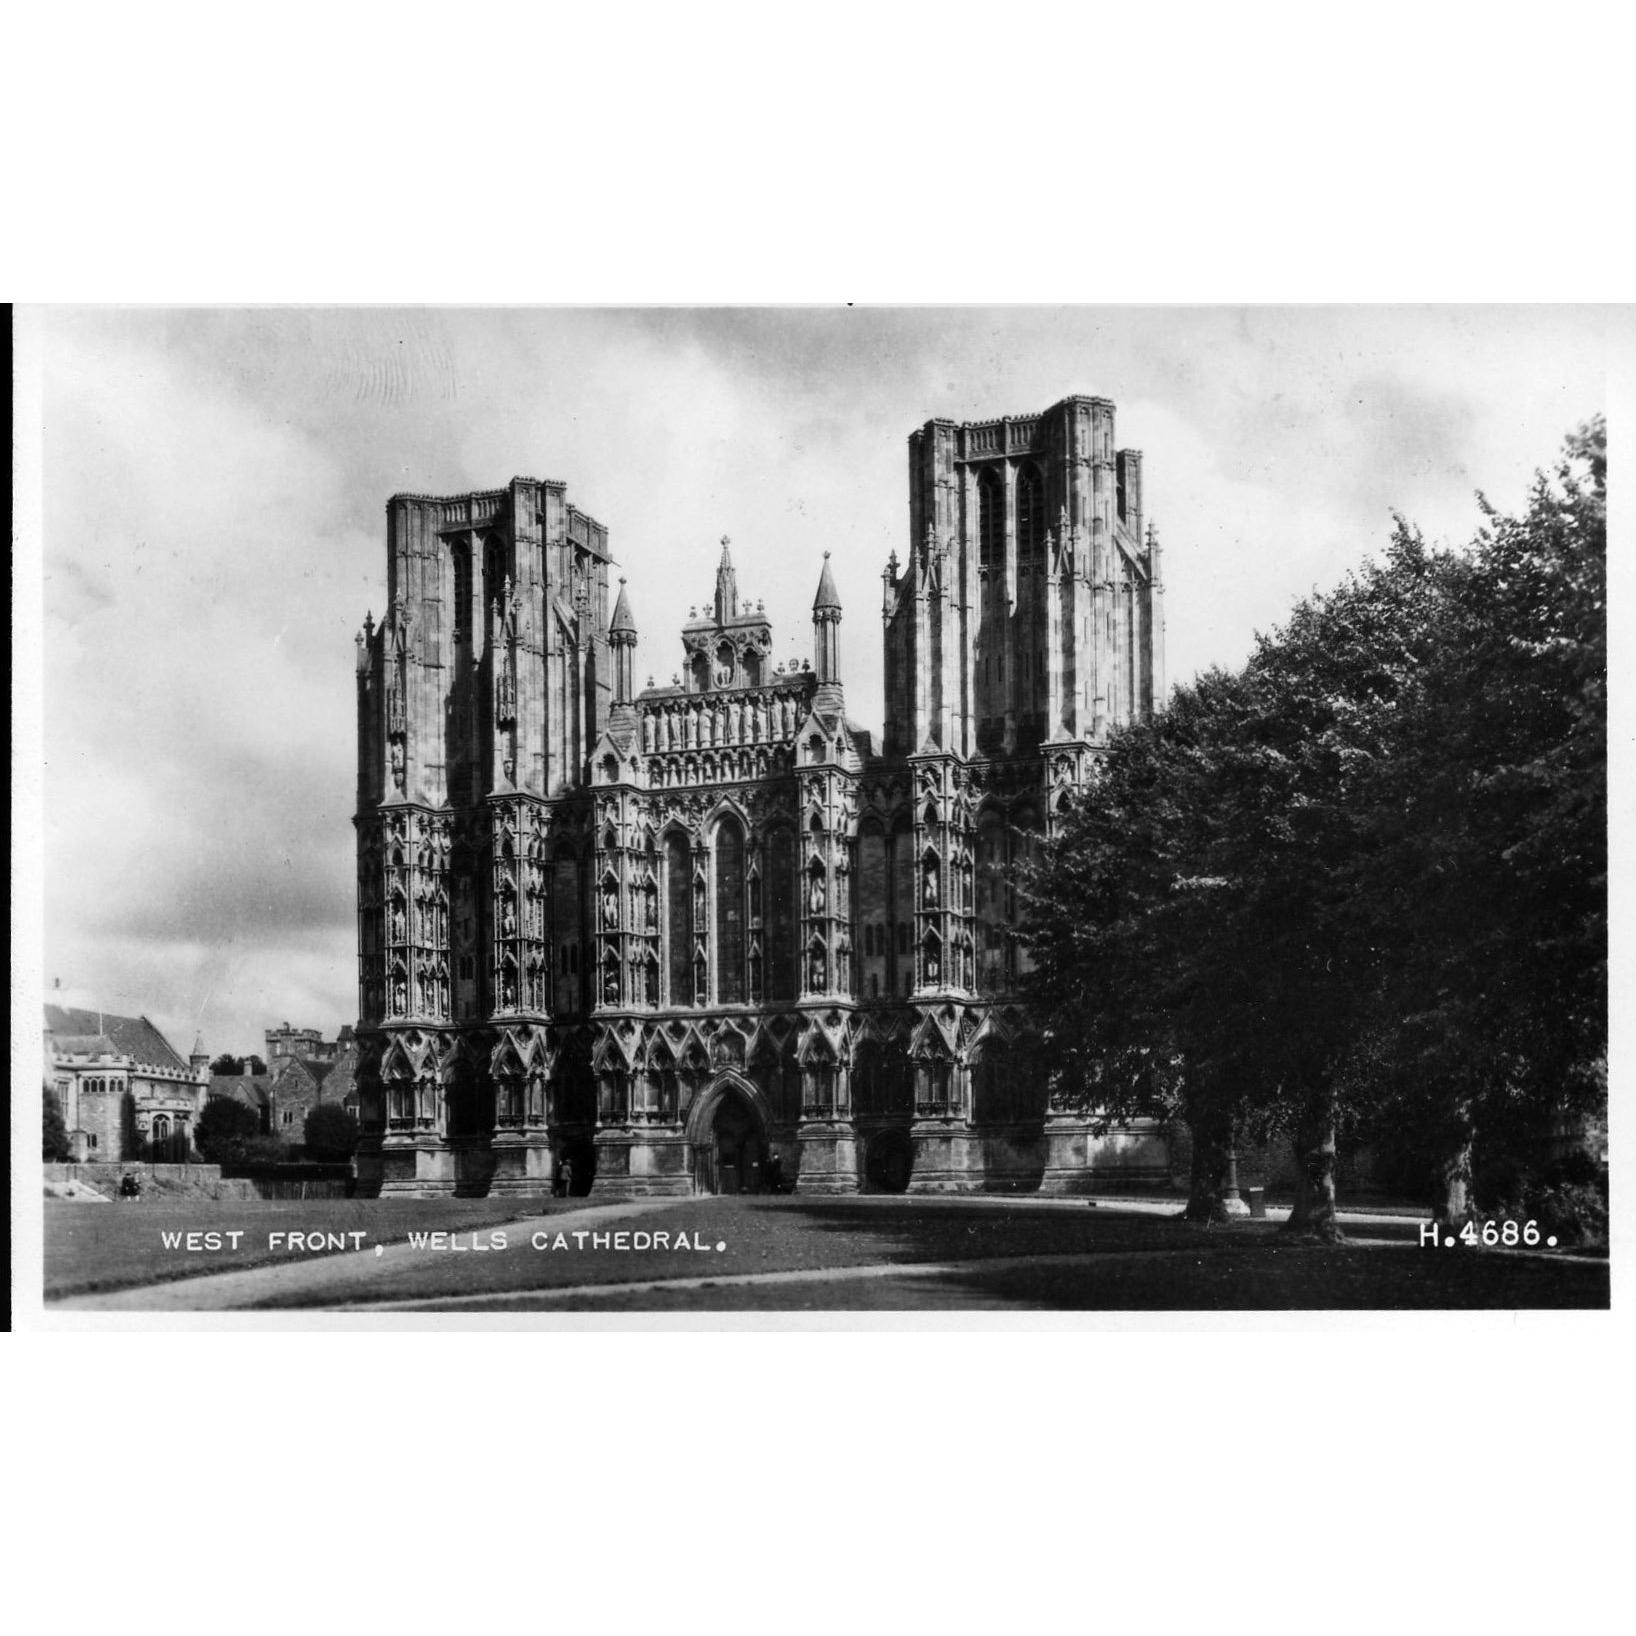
(330, 1133)
(1498, 797)
(55, 1147)
(1143, 1010)
(224, 1129)
(1362, 881)
(231, 1065)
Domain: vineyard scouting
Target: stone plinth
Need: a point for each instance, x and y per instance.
(1080, 1159)
(827, 1159)
(644, 1162)
(524, 1165)
(407, 1167)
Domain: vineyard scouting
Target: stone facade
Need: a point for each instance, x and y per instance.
(711, 936)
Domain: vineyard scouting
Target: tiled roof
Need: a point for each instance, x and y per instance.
(251, 1088)
(83, 1045)
(317, 1068)
(134, 1037)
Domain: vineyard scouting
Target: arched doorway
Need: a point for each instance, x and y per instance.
(889, 1161)
(728, 1133)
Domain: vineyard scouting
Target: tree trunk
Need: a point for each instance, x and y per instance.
(1315, 1203)
(1205, 1180)
(1451, 1202)
(1212, 1139)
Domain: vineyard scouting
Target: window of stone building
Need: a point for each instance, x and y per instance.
(494, 570)
(991, 521)
(1030, 514)
(679, 918)
(730, 940)
(93, 1138)
(781, 916)
(462, 594)
(565, 920)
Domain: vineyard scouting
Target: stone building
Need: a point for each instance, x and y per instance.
(124, 1091)
(306, 1043)
(295, 1081)
(702, 936)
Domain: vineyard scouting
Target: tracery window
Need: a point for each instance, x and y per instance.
(679, 918)
(991, 521)
(730, 941)
(462, 593)
(781, 916)
(1030, 515)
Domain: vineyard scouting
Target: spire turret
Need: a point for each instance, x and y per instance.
(826, 634)
(622, 639)
(726, 586)
(826, 597)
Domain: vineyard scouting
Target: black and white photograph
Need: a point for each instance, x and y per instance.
(783, 811)
(820, 816)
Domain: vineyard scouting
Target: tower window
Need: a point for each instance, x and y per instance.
(990, 521)
(1030, 514)
(462, 594)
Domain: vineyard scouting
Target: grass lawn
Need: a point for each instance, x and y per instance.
(1022, 1257)
(92, 1247)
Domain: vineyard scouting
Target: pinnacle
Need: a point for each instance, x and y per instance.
(827, 598)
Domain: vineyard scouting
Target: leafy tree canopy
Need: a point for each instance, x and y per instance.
(330, 1133)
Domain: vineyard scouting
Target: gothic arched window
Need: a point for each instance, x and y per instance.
(1030, 514)
(565, 923)
(679, 918)
(729, 912)
(991, 521)
(781, 914)
(462, 593)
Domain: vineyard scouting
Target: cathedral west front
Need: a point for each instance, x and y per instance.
(716, 936)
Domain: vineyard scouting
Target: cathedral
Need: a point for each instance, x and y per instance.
(713, 936)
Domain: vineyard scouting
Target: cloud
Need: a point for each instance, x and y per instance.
(214, 491)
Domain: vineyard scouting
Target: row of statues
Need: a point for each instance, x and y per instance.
(702, 725)
(734, 766)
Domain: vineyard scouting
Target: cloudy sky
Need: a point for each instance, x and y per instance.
(212, 503)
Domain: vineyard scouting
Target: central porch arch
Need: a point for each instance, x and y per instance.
(727, 1132)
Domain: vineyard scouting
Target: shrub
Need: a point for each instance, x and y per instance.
(54, 1147)
(264, 1150)
(1571, 1200)
(330, 1134)
(224, 1128)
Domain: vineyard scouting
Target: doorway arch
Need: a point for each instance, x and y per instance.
(727, 1133)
